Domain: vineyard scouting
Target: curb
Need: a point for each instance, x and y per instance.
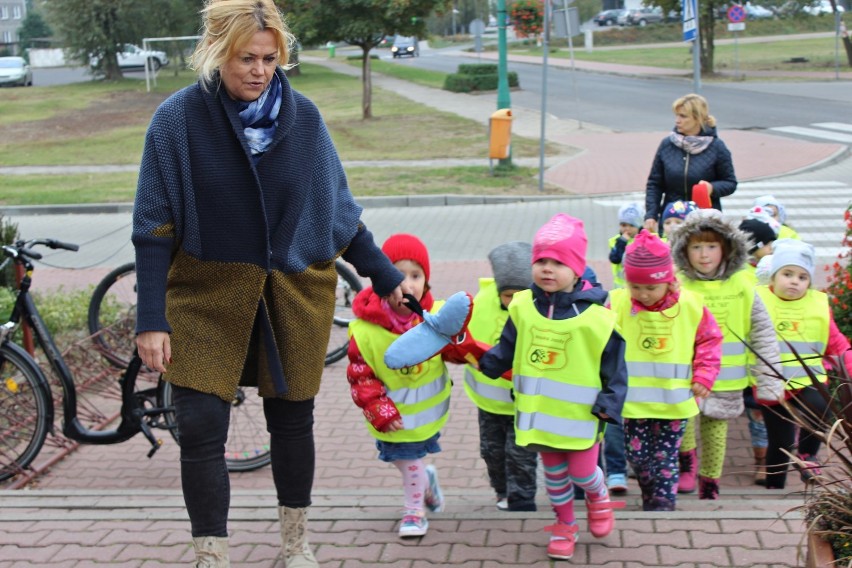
(365, 202)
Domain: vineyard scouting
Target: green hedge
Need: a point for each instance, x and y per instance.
(476, 77)
(477, 69)
(461, 83)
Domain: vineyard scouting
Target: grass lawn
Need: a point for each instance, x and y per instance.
(104, 123)
(768, 56)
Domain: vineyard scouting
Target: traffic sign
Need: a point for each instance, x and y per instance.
(736, 14)
(690, 19)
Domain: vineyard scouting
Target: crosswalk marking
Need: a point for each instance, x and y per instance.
(814, 208)
(842, 126)
(814, 133)
(823, 134)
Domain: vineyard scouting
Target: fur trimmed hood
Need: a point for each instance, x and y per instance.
(736, 241)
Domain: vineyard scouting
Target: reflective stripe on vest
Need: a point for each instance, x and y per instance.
(804, 323)
(421, 393)
(730, 301)
(486, 325)
(660, 349)
(556, 374)
(478, 390)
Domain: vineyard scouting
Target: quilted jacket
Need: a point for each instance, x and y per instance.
(674, 172)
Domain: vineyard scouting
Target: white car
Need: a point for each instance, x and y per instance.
(15, 71)
(821, 7)
(134, 57)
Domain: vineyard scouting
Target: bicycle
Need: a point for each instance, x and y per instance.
(27, 404)
(112, 314)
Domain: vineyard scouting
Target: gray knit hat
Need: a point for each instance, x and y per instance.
(511, 264)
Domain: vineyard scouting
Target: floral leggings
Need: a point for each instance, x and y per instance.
(651, 446)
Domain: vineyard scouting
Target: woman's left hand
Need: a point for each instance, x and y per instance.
(709, 186)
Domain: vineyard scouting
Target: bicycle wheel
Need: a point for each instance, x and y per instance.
(247, 447)
(348, 285)
(112, 315)
(25, 410)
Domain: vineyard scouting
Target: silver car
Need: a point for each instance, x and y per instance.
(15, 71)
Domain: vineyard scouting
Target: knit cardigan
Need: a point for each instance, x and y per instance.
(236, 259)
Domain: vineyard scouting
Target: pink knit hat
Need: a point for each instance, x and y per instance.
(564, 239)
(648, 260)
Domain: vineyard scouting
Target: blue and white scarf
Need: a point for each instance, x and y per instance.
(260, 117)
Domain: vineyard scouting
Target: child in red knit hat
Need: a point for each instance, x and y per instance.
(562, 343)
(667, 369)
(405, 409)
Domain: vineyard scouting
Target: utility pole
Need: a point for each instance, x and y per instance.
(503, 100)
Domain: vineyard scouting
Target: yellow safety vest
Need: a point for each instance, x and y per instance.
(786, 232)
(660, 350)
(804, 323)
(421, 393)
(751, 272)
(556, 375)
(617, 269)
(730, 301)
(486, 325)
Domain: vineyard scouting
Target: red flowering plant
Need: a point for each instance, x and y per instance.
(839, 288)
(528, 17)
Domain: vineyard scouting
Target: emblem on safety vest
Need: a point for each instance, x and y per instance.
(656, 337)
(547, 350)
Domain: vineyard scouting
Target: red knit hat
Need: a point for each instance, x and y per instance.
(563, 238)
(648, 260)
(403, 246)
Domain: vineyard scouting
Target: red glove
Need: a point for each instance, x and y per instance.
(701, 195)
(464, 349)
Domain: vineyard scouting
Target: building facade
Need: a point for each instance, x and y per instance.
(12, 14)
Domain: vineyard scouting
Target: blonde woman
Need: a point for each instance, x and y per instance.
(691, 163)
(241, 209)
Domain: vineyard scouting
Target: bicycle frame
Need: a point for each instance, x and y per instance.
(25, 310)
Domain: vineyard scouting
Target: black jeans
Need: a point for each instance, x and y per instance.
(202, 421)
(781, 431)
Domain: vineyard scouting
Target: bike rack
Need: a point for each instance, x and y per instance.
(92, 372)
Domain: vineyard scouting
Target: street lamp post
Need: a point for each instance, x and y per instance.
(503, 100)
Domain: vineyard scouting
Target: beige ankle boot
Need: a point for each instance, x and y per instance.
(294, 538)
(211, 552)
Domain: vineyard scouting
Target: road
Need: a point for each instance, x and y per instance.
(634, 104)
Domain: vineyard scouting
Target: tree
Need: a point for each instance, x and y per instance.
(707, 10)
(33, 27)
(98, 28)
(359, 22)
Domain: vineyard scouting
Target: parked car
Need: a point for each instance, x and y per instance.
(403, 45)
(821, 7)
(134, 57)
(608, 17)
(645, 15)
(623, 18)
(15, 71)
(755, 12)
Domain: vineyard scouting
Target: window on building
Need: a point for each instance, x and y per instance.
(16, 12)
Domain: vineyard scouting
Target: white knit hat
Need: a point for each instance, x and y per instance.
(793, 252)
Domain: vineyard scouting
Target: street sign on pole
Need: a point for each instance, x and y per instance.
(690, 19)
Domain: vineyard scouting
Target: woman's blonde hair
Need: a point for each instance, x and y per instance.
(228, 25)
(697, 107)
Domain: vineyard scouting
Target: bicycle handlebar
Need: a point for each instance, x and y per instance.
(24, 248)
